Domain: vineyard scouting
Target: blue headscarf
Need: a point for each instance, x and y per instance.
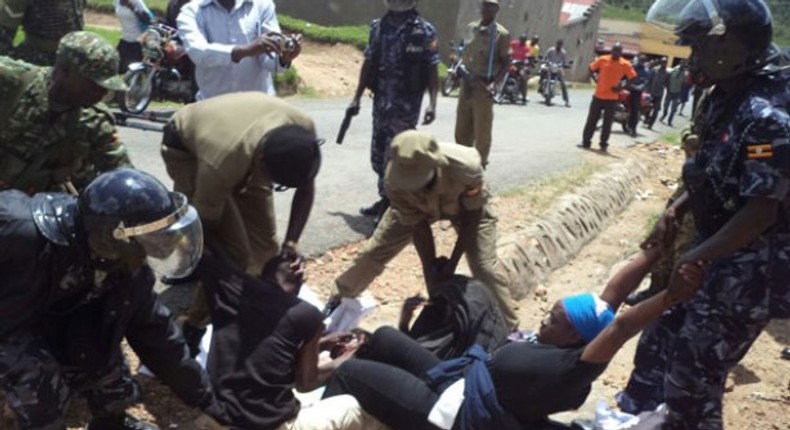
(588, 314)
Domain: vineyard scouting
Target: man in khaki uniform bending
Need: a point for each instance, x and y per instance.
(486, 57)
(428, 181)
(225, 154)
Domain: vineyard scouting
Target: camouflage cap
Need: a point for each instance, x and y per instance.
(93, 57)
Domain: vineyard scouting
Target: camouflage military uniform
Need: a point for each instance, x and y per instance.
(44, 23)
(684, 358)
(41, 149)
(401, 57)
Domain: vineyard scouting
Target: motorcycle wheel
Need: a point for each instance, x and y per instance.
(448, 85)
(138, 96)
(547, 96)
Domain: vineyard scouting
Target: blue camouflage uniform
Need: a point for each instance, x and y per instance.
(683, 359)
(401, 58)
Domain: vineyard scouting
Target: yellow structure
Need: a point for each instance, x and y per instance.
(655, 41)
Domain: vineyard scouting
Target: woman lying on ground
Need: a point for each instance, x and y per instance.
(518, 385)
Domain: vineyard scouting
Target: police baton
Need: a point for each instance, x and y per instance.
(351, 112)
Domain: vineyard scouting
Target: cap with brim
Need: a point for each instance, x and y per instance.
(92, 57)
(496, 2)
(414, 158)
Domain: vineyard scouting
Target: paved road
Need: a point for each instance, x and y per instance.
(529, 142)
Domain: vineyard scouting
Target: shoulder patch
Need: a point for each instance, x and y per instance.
(759, 151)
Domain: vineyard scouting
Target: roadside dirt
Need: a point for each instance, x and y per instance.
(758, 395)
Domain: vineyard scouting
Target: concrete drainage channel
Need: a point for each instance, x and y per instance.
(570, 223)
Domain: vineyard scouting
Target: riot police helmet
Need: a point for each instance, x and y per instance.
(400, 5)
(728, 38)
(129, 215)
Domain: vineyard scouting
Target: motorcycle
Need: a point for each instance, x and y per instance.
(510, 87)
(549, 80)
(164, 72)
(623, 110)
(453, 79)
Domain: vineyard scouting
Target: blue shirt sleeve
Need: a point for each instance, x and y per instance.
(374, 40)
(766, 155)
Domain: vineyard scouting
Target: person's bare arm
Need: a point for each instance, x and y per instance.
(433, 91)
(301, 205)
(627, 279)
(425, 246)
(308, 375)
(630, 322)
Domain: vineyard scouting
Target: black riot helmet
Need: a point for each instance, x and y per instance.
(728, 38)
(129, 215)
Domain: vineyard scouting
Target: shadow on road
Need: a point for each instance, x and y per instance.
(359, 223)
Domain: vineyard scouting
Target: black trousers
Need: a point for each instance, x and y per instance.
(657, 99)
(596, 106)
(389, 382)
(635, 99)
(129, 52)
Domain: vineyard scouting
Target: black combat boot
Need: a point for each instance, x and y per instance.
(374, 209)
(119, 422)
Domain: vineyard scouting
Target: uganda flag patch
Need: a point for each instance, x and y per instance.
(755, 152)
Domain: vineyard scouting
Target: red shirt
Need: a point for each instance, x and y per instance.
(519, 52)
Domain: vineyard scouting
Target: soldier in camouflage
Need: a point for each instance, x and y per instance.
(54, 136)
(738, 191)
(45, 22)
(400, 63)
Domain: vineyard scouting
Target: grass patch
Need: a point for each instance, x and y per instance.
(672, 138)
(542, 192)
(356, 35)
(621, 13)
(112, 36)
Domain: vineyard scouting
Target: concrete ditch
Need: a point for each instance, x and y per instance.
(553, 239)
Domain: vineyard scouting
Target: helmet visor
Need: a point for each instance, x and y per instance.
(174, 244)
(687, 19)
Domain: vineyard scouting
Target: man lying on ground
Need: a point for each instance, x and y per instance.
(517, 386)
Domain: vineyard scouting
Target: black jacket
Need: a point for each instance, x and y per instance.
(84, 313)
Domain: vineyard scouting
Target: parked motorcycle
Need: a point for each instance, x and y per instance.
(453, 79)
(549, 80)
(164, 72)
(510, 87)
(623, 110)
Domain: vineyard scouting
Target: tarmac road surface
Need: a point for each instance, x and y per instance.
(529, 142)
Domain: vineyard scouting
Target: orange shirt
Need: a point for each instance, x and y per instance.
(518, 51)
(610, 73)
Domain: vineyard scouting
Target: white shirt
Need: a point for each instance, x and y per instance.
(556, 57)
(130, 24)
(210, 32)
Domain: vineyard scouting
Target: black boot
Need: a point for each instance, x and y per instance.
(331, 304)
(373, 209)
(193, 335)
(119, 422)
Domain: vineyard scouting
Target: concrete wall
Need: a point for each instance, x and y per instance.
(452, 16)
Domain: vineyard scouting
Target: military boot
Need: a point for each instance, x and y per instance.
(119, 422)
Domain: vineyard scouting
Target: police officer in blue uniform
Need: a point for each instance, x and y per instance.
(739, 195)
(74, 283)
(400, 64)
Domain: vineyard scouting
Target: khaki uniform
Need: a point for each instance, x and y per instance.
(212, 161)
(475, 113)
(458, 187)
